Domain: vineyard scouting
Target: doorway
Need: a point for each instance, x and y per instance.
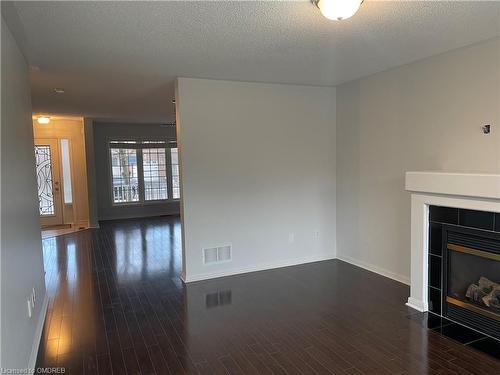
(61, 173)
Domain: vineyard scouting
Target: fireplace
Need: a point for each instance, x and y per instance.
(471, 277)
(455, 243)
(464, 267)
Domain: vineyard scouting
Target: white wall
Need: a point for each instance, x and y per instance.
(21, 253)
(422, 116)
(258, 163)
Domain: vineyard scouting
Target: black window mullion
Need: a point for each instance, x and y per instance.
(168, 167)
(140, 177)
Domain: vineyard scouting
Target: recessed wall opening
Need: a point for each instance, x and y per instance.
(61, 174)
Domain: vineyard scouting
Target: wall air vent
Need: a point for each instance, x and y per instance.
(217, 254)
(210, 255)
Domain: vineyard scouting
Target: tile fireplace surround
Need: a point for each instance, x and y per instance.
(461, 190)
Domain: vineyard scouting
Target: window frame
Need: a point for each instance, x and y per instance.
(171, 174)
(139, 173)
(169, 179)
(139, 144)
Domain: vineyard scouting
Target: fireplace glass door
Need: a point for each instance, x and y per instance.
(474, 279)
(471, 277)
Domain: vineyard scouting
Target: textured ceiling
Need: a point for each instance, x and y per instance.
(119, 59)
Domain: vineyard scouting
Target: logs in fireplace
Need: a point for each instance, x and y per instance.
(485, 293)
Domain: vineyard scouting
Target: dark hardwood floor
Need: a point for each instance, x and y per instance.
(117, 306)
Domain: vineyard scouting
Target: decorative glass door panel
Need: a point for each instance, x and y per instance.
(44, 179)
(47, 174)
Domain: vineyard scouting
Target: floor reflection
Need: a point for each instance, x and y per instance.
(143, 250)
(99, 283)
(117, 306)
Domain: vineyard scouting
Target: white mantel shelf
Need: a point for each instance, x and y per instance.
(477, 185)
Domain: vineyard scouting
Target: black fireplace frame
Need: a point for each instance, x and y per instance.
(484, 241)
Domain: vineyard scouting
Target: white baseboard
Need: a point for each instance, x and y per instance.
(417, 304)
(255, 268)
(373, 268)
(294, 262)
(81, 223)
(38, 333)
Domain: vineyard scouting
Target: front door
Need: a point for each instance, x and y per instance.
(48, 178)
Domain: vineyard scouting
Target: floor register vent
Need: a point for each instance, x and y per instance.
(217, 254)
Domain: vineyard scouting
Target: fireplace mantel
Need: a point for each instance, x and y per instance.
(462, 190)
(461, 184)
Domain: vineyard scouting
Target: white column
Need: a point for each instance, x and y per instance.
(419, 253)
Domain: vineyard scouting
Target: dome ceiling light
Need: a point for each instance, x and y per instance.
(338, 10)
(43, 119)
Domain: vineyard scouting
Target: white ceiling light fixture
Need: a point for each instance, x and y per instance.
(338, 10)
(43, 120)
